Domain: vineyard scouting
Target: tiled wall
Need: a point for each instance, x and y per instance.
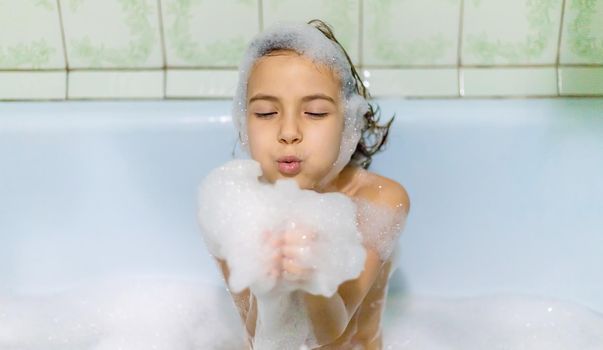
(154, 49)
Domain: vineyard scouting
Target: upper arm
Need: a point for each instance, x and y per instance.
(393, 196)
(224, 268)
(245, 304)
(354, 291)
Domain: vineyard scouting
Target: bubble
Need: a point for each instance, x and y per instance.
(133, 313)
(235, 208)
(504, 321)
(381, 226)
(153, 312)
(234, 211)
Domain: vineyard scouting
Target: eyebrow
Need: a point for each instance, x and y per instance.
(318, 96)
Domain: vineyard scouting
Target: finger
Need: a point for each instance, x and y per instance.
(274, 272)
(273, 258)
(295, 277)
(276, 258)
(298, 237)
(295, 251)
(277, 241)
(274, 264)
(291, 267)
(271, 239)
(290, 277)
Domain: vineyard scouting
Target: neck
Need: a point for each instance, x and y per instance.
(343, 182)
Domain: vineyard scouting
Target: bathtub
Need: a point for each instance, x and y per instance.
(506, 200)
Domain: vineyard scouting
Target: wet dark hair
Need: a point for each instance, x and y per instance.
(374, 136)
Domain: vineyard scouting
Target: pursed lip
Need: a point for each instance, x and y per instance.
(289, 165)
(288, 159)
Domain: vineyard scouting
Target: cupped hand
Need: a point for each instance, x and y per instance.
(292, 249)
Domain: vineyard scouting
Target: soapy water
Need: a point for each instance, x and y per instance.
(170, 313)
(494, 322)
(136, 313)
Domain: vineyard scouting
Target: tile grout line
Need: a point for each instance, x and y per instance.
(233, 68)
(559, 38)
(261, 14)
(163, 50)
(460, 74)
(228, 98)
(61, 26)
(360, 36)
(388, 67)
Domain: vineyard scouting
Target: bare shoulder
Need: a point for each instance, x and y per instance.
(380, 228)
(383, 191)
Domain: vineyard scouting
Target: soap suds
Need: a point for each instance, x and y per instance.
(174, 314)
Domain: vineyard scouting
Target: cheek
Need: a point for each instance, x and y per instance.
(252, 133)
(327, 138)
(257, 139)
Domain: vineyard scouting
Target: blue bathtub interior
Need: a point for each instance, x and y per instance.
(506, 194)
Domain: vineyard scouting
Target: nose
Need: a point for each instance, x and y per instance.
(289, 131)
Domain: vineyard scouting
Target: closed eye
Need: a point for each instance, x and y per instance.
(263, 115)
(317, 114)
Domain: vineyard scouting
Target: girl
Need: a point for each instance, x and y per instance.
(302, 113)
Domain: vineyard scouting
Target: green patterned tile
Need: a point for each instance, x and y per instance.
(196, 34)
(31, 35)
(115, 84)
(511, 31)
(415, 82)
(536, 81)
(112, 33)
(581, 81)
(582, 38)
(32, 85)
(341, 15)
(410, 32)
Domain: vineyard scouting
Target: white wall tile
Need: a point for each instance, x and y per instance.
(28, 85)
(115, 84)
(201, 83)
(537, 81)
(581, 81)
(440, 82)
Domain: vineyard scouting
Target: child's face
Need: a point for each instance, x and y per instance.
(285, 87)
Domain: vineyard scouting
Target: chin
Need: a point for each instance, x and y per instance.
(302, 182)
